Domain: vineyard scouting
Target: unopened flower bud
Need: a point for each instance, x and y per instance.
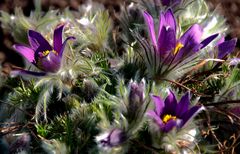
(114, 138)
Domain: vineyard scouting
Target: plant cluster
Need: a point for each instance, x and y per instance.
(158, 78)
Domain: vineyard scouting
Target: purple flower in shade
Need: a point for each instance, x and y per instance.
(114, 138)
(41, 54)
(167, 46)
(169, 114)
(170, 2)
(225, 47)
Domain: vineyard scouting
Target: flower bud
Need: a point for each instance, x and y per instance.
(136, 94)
(114, 138)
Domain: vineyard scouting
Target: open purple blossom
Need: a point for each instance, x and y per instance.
(170, 113)
(40, 53)
(168, 47)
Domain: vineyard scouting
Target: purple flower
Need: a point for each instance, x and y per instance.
(41, 54)
(169, 114)
(167, 46)
(226, 47)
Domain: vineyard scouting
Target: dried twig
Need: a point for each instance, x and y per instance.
(211, 130)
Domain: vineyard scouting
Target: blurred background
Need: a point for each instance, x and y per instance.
(8, 57)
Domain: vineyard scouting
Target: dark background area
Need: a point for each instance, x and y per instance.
(8, 57)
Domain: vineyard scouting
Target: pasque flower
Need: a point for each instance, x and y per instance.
(170, 113)
(41, 54)
(169, 48)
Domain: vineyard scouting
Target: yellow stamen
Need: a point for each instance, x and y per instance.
(168, 117)
(178, 47)
(45, 53)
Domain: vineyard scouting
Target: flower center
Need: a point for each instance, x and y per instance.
(178, 47)
(168, 117)
(46, 52)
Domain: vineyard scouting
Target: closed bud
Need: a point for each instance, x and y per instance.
(113, 138)
(136, 94)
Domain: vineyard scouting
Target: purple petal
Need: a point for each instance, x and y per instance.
(27, 52)
(64, 44)
(159, 104)
(221, 40)
(150, 23)
(190, 114)
(226, 48)
(169, 125)
(170, 104)
(192, 35)
(33, 42)
(26, 72)
(170, 19)
(166, 32)
(191, 41)
(166, 41)
(183, 105)
(37, 41)
(208, 40)
(152, 114)
(57, 38)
